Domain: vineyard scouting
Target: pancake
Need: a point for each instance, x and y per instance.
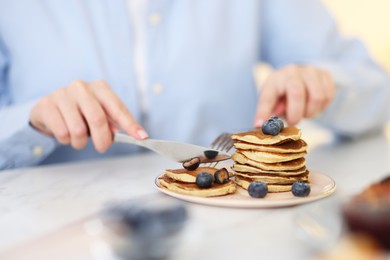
(257, 137)
(281, 166)
(193, 189)
(184, 175)
(297, 146)
(267, 157)
(253, 170)
(275, 179)
(272, 188)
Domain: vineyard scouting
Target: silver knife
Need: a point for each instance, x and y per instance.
(176, 151)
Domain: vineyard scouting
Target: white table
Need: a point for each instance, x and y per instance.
(38, 201)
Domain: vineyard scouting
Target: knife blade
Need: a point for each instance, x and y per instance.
(174, 150)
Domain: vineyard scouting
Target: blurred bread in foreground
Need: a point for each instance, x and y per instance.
(367, 217)
(368, 212)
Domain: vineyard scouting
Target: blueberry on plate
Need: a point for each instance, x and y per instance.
(210, 154)
(204, 180)
(221, 176)
(279, 121)
(300, 189)
(258, 189)
(192, 164)
(271, 127)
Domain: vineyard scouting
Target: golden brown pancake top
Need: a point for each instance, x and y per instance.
(258, 137)
(193, 190)
(289, 146)
(194, 173)
(193, 186)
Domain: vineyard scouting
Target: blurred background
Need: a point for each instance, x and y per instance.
(368, 20)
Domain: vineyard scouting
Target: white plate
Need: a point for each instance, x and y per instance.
(321, 187)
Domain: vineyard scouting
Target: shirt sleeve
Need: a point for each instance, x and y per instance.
(304, 32)
(20, 144)
(26, 147)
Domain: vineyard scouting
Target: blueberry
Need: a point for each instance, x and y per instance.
(300, 189)
(204, 180)
(271, 127)
(258, 189)
(221, 176)
(279, 121)
(210, 154)
(191, 164)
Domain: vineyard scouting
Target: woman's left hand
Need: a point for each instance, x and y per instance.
(295, 92)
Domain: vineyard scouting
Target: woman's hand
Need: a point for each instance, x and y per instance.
(82, 110)
(295, 92)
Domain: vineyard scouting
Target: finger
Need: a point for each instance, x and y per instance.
(94, 115)
(267, 101)
(36, 119)
(117, 110)
(75, 122)
(280, 107)
(296, 100)
(315, 92)
(54, 122)
(329, 86)
(114, 128)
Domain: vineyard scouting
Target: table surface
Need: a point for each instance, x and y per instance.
(41, 203)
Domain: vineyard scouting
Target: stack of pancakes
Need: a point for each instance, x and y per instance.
(276, 160)
(184, 182)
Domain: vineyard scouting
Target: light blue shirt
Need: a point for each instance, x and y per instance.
(202, 52)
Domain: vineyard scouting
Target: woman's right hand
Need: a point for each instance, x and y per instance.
(82, 110)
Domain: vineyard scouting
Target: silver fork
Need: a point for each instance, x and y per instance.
(224, 143)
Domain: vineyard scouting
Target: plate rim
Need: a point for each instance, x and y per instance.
(222, 201)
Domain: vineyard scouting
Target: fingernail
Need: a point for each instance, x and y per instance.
(142, 134)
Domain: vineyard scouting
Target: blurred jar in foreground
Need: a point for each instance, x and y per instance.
(139, 230)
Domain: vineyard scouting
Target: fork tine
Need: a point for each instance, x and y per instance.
(226, 145)
(223, 142)
(216, 143)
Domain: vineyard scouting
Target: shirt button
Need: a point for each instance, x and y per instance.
(157, 88)
(37, 151)
(154, 19)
